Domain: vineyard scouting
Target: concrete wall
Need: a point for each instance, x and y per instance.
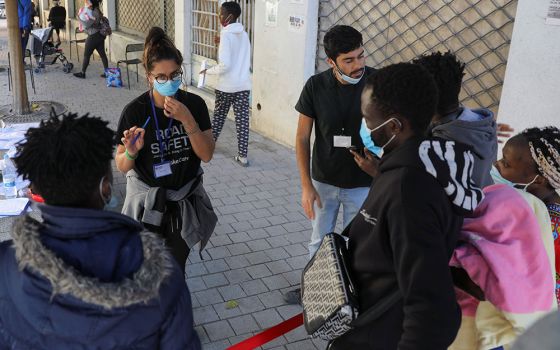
(530, 95)
(285, 58)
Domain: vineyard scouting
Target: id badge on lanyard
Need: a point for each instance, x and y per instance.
(164, 167)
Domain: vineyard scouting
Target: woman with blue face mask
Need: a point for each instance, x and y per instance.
(165, 134)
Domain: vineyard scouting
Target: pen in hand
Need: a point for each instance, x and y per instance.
(138, 135)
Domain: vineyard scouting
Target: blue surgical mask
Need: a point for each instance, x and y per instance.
(365, 134)
(349, 79)
(499, 179)
(169, 88)
(112, 201)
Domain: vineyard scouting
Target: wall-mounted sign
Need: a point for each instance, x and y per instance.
(553, 15)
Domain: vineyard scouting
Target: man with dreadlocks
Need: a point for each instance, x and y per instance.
(84, 277)
(531, 160)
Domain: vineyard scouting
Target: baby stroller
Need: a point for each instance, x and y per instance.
(43, 47)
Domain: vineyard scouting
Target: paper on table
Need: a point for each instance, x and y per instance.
(13, 207)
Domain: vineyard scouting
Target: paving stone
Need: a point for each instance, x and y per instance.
(208, 297)
(219, 330)
(276, 230)
(298, 237)
(219, 252)
(260, 223)
(242, 226)
(243, 324)
(294, 277)
(220, 240)
(272, 299)
(237, 262)
(258, 245)
(232, 292)
(237, 276)
(295, 227)
(238, 249)
(267, 318)
(276, 282)
(195, 284)
(194, 270)
(261, 213)
(298, 262)
(277, 253)
(224, 312)
(297, 249)
(239, 237)
(205, 314)
(306, 344)
(258, 271)
(250, 304)
(278, 241)
(258, 233)
(288, 311)
(244, 216)
(215, 280)
(214, 266)
(223, 228)
(278, 266)
(202, 334)
(257, 258)
(254, 287)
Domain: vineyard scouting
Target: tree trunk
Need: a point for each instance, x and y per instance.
(20, 104)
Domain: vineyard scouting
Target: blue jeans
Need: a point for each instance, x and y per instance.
(331, 199)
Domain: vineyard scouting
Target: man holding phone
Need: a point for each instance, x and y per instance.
(330, 101)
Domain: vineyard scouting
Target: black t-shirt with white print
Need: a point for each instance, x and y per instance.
(177, 148)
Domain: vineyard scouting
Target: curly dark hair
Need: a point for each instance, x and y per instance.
(406, 89)
(448, 72)
(232, 8)
(341, 39)
(66, 157)
(544, 144)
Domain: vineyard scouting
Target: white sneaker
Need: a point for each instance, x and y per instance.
(242, 161)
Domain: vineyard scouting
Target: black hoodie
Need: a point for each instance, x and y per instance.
(403, 238)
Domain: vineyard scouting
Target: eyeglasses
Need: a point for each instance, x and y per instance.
(162, 79)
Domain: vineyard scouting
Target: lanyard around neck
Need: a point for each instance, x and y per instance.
(160, 138)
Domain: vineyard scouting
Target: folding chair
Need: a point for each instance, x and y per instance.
(136, 61)
(28, 67)
(76, 41)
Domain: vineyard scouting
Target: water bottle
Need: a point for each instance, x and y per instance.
(9, 175)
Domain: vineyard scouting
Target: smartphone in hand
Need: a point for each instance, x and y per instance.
(357, 149)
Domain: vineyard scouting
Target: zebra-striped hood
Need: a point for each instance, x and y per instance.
(451, 163)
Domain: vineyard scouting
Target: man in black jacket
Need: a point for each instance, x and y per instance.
(403, 237)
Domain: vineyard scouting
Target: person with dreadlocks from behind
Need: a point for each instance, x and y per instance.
(531, 160)
(84, 277)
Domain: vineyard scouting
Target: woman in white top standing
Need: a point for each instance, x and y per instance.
(234, 78)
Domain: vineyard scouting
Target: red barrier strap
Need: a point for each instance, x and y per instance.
(269, 334)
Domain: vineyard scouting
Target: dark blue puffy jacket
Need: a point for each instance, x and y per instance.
(90, 279)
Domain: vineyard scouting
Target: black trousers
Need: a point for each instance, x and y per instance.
(95, 42)
(170, 231)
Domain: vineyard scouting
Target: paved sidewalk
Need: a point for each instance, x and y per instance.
(260, 244)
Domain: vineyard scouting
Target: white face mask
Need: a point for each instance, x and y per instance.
(349, 79)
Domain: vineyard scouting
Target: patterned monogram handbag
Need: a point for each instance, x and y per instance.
(329, 297)
(328, 294)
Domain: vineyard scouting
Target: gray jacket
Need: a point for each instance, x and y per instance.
(475, 128)
(198, 217)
